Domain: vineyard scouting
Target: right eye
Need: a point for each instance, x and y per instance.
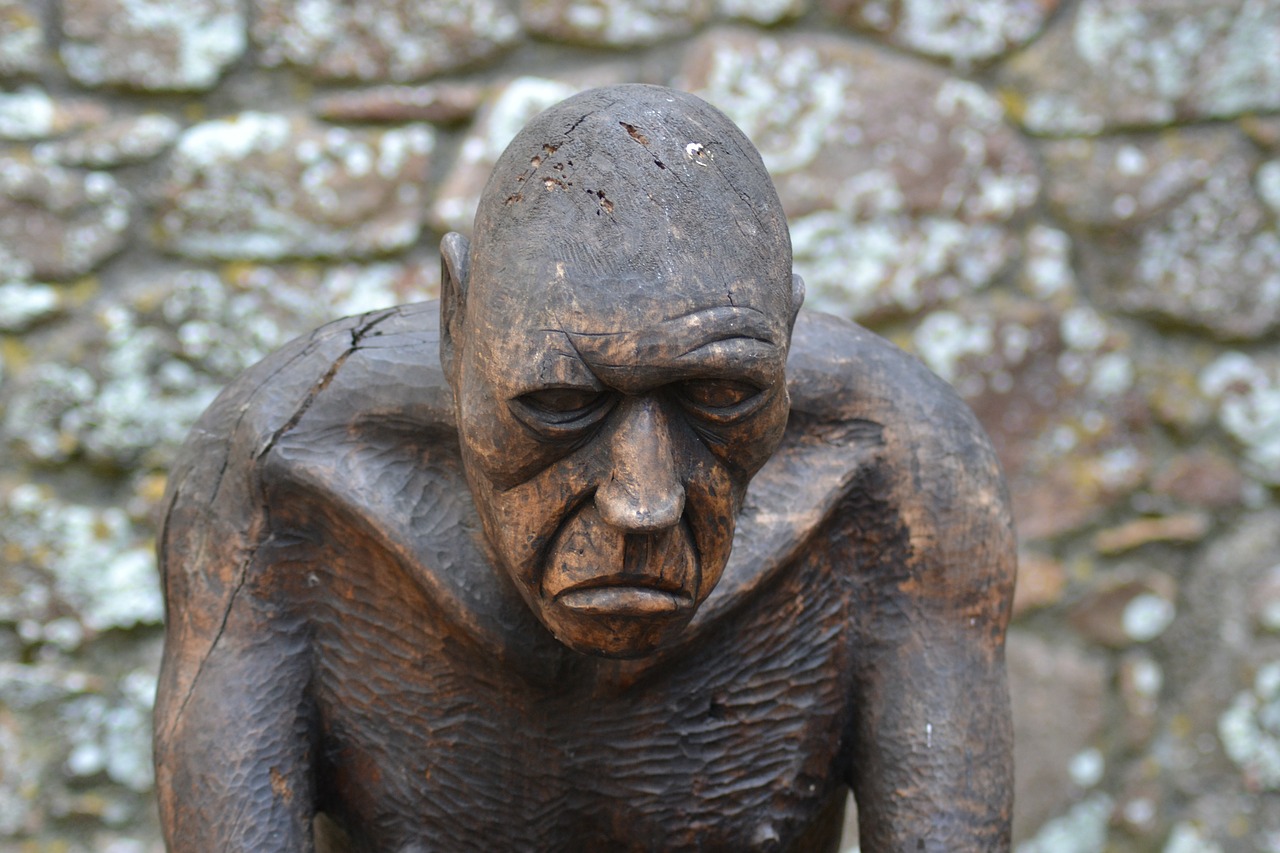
(559, 411)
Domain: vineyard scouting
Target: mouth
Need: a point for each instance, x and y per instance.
(625, 595)
(598, 572)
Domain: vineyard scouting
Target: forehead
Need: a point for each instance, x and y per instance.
(589, 285)
(596, 301)
(568, 324)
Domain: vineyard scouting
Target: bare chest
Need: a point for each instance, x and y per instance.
(735, 744)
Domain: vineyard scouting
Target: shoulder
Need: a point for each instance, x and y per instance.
(841, 375)
(838, 370)
(341, 447)
(882, 462)
(383, 378)
(933, 482)
(382, 363)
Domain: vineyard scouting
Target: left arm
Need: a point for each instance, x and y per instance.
(923, 543)
(932, 765)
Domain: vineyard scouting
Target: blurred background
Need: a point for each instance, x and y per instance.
(1067, 208)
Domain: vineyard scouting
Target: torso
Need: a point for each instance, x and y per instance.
(449, 719)
(730, 744)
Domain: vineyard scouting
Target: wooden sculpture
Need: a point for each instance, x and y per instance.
(599, 553)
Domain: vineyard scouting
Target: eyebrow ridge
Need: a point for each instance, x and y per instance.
(734, 313)
(705, 344)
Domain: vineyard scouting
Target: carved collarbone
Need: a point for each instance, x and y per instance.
(372, 442)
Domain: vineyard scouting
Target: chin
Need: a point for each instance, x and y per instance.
(616, 635)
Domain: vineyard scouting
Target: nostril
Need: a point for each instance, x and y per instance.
(642, 511)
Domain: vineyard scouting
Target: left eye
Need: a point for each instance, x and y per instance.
(724, 399)
(562, 401)
(562, 411)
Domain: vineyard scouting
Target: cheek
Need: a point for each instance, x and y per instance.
(764, 434)
(717, 483)
(712, 500)
(743, 448)
(522, 520)
(585, 547)
(496, 444)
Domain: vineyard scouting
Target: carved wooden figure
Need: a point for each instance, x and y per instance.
(612, 549)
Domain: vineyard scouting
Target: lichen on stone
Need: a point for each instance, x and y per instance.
(1087, 767)
(21, 39)
(765, 12)
(613, 23)
(118, 143)
(39, 419)
(1083, 829)
(23, 304)
(1266, 601)
(111, 735)
(1174, 226)
(263, 186)
(58, 224)
(1250, 729)
(19, 777)
(895, 265)
(150, 371)
(31, 113)
(77, 746)
(151, 44)
(1246, 391)
(382, 40)
(26, 114)
(98, 565)
(963, 32)
(1147, 616)
(1187, 837)
(1268, 185)
(1149, 62)
(1047, 270)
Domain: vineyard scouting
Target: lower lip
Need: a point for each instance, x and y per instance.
(622, 601)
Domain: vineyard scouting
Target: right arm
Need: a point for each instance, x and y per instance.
(234, 752)
(234, 732)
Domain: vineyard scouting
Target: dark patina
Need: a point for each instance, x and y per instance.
(612, 549)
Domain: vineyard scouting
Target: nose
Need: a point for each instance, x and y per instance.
(643, 493)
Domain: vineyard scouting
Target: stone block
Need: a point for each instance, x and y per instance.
(152, 45)
(265, 186)
(393, 41)
(900, 180)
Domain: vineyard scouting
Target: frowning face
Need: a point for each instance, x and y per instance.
(616, 342)
(610, 424)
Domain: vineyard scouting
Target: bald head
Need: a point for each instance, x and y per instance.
(620, 207)
(633, 183)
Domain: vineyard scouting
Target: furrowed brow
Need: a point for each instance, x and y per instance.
(676, 337)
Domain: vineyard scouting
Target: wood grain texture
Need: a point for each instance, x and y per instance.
(356, 632)
(433, 706)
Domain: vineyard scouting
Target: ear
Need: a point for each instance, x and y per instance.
(454, 272)
(797, 296)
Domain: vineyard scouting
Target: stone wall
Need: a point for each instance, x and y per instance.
(1068, 208)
